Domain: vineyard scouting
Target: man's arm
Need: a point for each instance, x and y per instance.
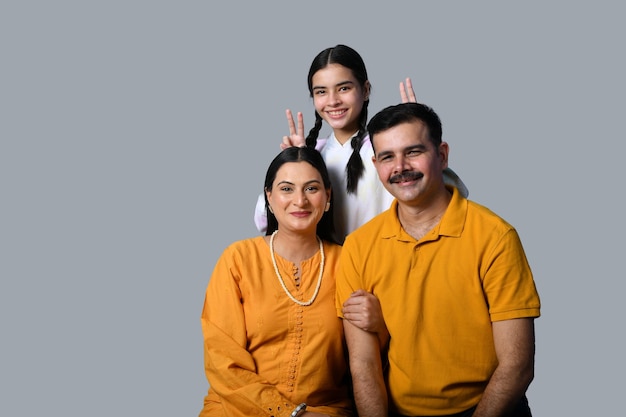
(515, 347)
(369, 388)
(364, 311)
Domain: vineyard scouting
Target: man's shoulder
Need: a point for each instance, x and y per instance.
(479, 212)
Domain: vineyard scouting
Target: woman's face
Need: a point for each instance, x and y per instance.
(298, 197)
(338, 98)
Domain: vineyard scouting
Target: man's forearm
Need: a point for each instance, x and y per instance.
(504, 391)
(515, 346)
(370, 393)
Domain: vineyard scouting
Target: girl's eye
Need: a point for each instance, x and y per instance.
(312, 188)
(285, 189)
(319, 92)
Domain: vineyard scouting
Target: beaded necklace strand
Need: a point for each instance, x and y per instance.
(280, 278)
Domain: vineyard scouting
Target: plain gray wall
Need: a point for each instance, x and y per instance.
(135, 136)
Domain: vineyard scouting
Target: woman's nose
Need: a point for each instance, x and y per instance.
(300, 199)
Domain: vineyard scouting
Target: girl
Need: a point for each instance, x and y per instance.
(340, 88)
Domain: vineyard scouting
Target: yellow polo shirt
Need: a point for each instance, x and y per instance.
(439, 296)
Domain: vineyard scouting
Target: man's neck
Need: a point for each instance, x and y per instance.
(418, 220)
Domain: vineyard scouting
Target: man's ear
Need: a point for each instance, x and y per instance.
(444, 151)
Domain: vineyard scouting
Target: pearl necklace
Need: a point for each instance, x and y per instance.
(282, 283)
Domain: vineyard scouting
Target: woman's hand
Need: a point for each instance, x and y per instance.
(406, 92)
(363, 310)
(296, 136)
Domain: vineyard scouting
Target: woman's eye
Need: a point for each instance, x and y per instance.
(285, 189)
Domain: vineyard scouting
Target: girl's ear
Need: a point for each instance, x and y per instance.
(366, 93)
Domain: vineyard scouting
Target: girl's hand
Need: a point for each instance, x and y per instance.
(296, 136)
(407, 94)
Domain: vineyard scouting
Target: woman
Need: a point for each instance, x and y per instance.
(273, 342)
(340, 88)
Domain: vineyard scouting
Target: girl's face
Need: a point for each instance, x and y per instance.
(338, 98)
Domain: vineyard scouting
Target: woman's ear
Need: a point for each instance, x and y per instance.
(268, 195)
(328, 196)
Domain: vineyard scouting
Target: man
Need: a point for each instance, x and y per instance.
(457, 294)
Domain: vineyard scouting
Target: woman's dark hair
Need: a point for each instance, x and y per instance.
(349, 58)
(325, 227)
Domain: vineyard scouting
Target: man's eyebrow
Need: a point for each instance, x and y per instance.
(383, 153)
(420, 147)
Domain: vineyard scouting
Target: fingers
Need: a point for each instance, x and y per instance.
(411, 92)
(292, 125)
(403, 96)
(300, 124)
(407, 94)
(286, 143)
(296, 135)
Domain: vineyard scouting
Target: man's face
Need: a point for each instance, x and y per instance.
(408, 164)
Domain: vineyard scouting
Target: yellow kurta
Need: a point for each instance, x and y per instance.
(265, 354)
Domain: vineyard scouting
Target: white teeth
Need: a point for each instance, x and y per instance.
(336, 113)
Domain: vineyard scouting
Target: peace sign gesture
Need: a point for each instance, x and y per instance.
(407, 94)
(296, 136)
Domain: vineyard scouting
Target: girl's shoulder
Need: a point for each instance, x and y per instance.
(321, 143)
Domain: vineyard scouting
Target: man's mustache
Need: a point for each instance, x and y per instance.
(406, 176)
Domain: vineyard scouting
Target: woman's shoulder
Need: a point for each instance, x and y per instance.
(246, 246)
(332, 248)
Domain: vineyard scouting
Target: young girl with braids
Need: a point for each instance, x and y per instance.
(340, 88)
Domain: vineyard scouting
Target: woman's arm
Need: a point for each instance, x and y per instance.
(230, 368)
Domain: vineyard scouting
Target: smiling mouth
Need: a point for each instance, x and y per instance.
(300, 213)
(336, 113)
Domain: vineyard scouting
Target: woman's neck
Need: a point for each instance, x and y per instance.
(295, 247)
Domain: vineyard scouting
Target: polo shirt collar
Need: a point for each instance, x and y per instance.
(451, 224)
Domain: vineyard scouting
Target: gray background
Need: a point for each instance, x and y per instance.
(135, 137)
